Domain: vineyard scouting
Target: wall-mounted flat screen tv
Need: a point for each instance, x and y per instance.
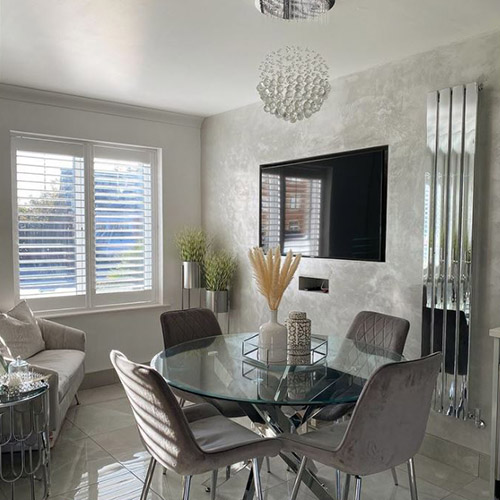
(330, 207)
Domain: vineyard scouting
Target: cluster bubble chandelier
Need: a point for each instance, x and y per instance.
(293, 83)
(294, 9)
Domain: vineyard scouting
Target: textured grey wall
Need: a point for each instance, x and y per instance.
(384, 105)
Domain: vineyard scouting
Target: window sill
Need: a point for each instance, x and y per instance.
(100, 310)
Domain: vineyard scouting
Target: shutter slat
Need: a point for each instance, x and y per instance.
(123, 224)
(50, 214)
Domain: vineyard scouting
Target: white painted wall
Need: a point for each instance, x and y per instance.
(135, 332)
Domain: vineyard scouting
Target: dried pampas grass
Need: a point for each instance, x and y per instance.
(273, 278)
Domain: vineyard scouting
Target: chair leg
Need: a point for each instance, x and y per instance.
(77, 400)
(413, 480)
(228, 473)
(346, 487)
(357, 496)
(338, 479)
(149, 477)
(298, 479)
(268, 465)
(187, 487)
(182, 403)
(395, 476)
(213, 490)
(256, 478)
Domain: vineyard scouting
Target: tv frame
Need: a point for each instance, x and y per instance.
(383, 222)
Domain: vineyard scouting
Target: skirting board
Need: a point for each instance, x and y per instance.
(100, 378)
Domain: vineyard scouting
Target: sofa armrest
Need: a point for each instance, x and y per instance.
(57, 336)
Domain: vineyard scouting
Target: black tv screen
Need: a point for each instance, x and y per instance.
(331, 207)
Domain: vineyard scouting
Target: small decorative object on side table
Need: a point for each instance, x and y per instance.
(24, 433)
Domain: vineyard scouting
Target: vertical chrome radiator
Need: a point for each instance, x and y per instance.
(448, 241)
(495, 420)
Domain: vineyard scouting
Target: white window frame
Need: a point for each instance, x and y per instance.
(92, 301)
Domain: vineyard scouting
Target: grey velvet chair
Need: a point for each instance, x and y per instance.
(386, 428)
(372, 328)
(206, 443)
(193, 324)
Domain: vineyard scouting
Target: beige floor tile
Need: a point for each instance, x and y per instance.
(101, 394)
(69, 433)
(102, 417)
(124, 486)
(439, 474)
(76, 465)
(476, 490)
(121, 442)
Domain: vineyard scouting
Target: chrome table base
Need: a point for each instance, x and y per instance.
(276, 422)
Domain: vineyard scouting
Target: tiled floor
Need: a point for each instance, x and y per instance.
(99, 457)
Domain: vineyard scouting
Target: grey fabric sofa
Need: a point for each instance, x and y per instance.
(63, 361)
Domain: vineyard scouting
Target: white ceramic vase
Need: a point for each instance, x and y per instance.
(272, 340)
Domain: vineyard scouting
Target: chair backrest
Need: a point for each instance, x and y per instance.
(189, 324)
(162, 425)
(389, 421)
(380, 330)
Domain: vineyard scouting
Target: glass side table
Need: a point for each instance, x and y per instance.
(24, 442)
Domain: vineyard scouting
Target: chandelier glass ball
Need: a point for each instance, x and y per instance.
(293, 83)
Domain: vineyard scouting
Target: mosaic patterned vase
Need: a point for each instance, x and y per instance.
(299, 333)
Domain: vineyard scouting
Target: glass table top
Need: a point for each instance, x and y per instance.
(214, 367)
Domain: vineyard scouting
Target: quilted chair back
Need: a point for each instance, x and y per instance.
(389, 421)
(162, 425)
(189, 324)
(380, 330)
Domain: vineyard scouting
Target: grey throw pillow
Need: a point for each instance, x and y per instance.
(19, 333)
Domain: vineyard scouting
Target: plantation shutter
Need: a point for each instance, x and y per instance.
(123, 225)
(50, 222)
(270, 211)
(302, 215)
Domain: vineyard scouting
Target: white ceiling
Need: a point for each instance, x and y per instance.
(201, 56)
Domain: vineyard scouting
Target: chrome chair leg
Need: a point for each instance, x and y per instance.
(413, 479)
(213, 490)
(346, 487)
(298, 479)
(357, 496)
(395, 476)
(256, 478)
(228, 473)
(338, 484)
(187, 487)
(268, 465)
(149, 477)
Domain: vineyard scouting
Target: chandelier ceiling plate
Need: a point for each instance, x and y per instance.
(294, 9)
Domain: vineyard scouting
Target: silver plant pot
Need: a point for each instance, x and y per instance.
(218, 301)
(191, 275)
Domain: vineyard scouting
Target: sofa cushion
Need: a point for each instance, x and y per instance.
(67, 363)
(19, 333)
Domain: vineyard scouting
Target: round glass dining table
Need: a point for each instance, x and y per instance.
(282, 397)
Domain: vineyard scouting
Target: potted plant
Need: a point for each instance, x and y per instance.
(192, 245)
(219, 268)
(272, 280)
